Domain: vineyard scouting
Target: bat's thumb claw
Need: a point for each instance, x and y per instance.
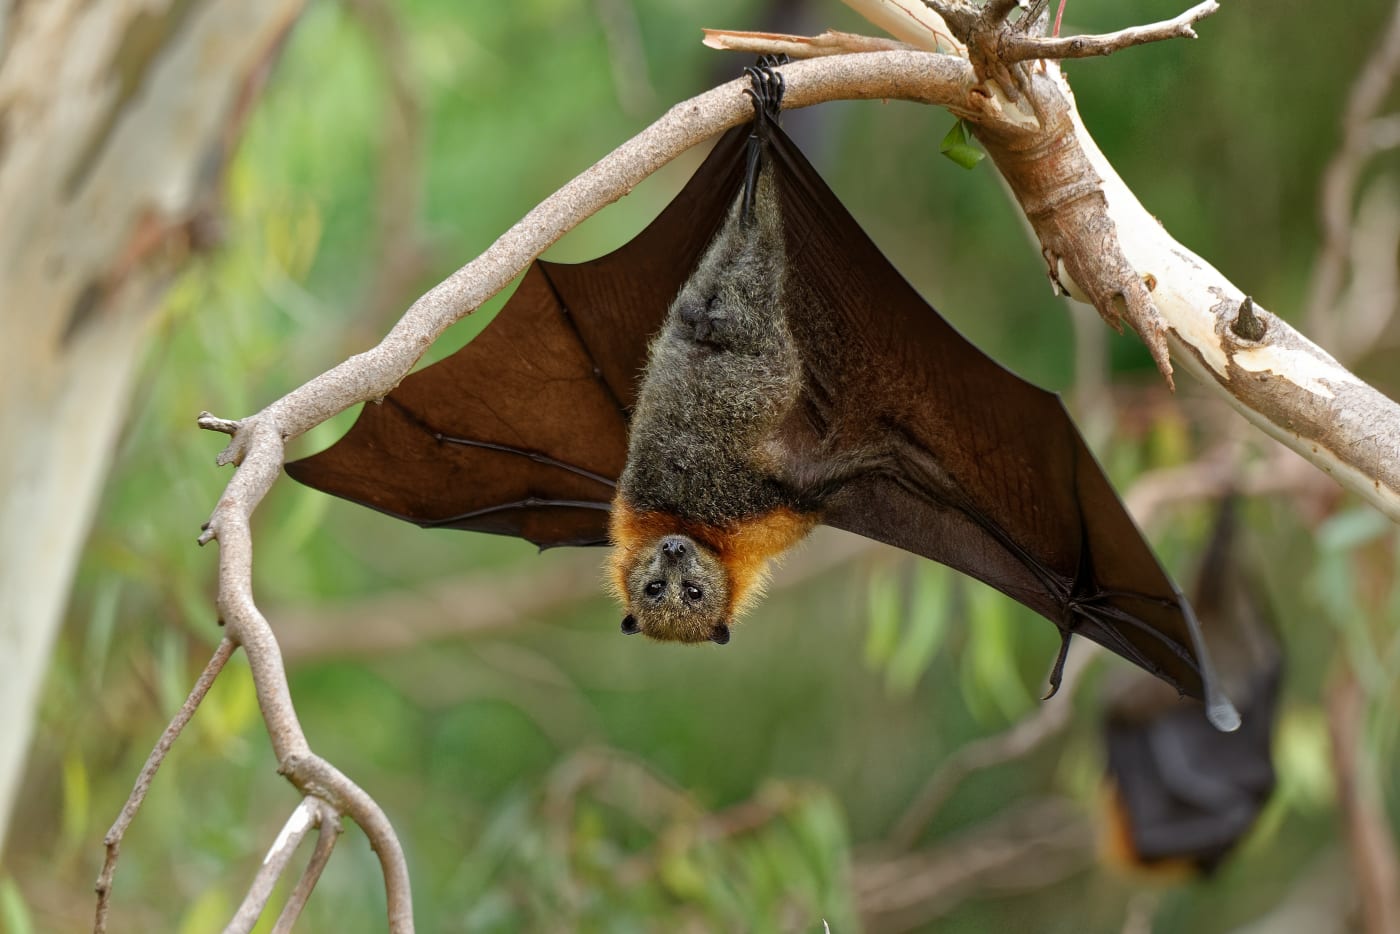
(1223, 715)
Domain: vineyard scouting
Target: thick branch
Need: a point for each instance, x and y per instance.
(1020, 48)
(247, 627)
(1103, 247)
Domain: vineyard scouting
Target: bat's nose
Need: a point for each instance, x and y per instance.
(673, 546)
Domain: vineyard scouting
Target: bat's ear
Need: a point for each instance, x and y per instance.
(720, 634)
(629, 625)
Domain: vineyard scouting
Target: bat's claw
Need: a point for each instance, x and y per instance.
(1057, 673)
(766, 87)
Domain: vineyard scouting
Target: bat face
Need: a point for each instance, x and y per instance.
(676, 590)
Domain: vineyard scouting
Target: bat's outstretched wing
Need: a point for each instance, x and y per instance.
(524, 431)
(978, 469)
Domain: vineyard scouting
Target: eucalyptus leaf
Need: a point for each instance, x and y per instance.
(957, 145)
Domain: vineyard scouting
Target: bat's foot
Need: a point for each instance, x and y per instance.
(766, 88)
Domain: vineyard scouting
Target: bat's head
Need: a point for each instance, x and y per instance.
(675, 589)
(686, 582)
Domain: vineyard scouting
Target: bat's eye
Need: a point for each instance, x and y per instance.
(655, 588)
(692, 592)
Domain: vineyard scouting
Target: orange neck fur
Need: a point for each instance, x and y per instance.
(744, 549)
(1117, 849)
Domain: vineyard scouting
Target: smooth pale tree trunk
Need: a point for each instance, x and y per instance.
(116, 118)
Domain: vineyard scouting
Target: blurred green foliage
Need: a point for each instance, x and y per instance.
(550, 776)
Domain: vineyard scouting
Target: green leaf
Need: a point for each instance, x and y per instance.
(77, 797)
(882, 609)
(957, 145)
(14, 913)
(990, 682)
(923, 630)
(1352, 529)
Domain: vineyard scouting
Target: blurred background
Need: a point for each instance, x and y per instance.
(846, 758)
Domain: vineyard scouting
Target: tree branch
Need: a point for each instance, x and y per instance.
(306, 815)
(247, 627)
(329, 833)
(1027, 847)
(831, 42)
(1019, 48)
(1375, 865)
(1022, 738)
(1103, 247)
(1360, 141)
(113, 839)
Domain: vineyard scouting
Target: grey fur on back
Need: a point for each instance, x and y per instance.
(722, 374)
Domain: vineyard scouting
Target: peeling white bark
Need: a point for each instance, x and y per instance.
(1284, 384)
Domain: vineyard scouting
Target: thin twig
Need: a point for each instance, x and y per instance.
(1141, 908)
(1375, 865)
(627, 58)
(1026, 847)
(306, 815)
(737, 820)
(328, 833)
(1020, 48)
(401, 249)
(830, 42)
(113, 839)
(1338, 189)
(1029, 734)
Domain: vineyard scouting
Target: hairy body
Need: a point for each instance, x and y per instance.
(706, 499)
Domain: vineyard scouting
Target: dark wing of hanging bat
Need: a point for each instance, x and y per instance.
(522, 431)
(1180, 792)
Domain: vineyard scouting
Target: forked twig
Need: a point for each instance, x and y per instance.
(113, 839)
(307, 814)
(1020, 48)
(1024, 737)
(329, 832)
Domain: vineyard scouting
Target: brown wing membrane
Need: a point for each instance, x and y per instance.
(524, 431)
(982, 471)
